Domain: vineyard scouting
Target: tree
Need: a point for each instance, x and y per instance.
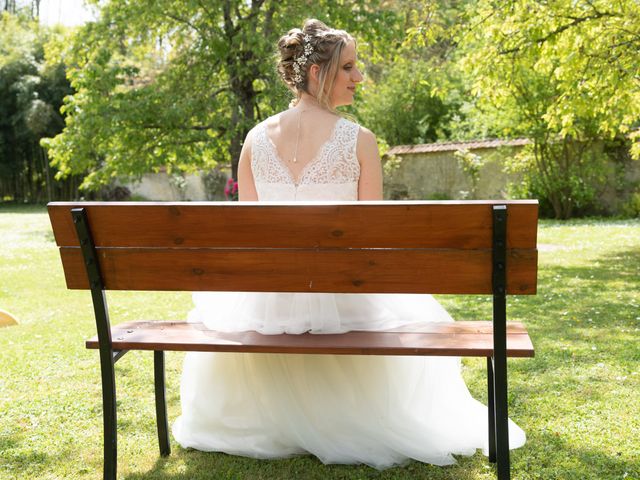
(563, 73)
(31, 93)
(414, 90)
(14, 7)
(178, 84)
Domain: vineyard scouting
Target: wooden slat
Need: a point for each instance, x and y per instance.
(329, 225)
(459, 339)
(297, 270)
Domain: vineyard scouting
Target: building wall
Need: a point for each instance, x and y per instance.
(414, 176)
(197, 186)
(440, 175)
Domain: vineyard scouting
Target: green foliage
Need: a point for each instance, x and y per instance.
(401, 107)
(214, 182)
(471, 165)
(565, 176)
(31, 92)
(410, 96)
(563, 74)
(178, 84)
(632, 207)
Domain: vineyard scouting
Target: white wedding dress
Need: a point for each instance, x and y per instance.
(376, 410)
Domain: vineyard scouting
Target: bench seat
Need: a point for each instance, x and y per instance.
(464, 338)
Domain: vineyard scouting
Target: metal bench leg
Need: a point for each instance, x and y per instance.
(109, 416)
(108, 357)
(161, 404)
(501, 417)
(499, 284)
(491, 411)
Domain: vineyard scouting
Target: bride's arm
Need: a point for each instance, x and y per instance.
(246, 185)
(370, 183)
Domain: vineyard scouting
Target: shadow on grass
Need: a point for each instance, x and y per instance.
(560, 460)
(555, 460)
(558, 289)
(610, 267)
(194, 465)
(22, 208)
(15, 458)
(582, 316)
(599, 287)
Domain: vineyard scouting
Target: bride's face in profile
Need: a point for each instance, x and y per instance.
(347, 77)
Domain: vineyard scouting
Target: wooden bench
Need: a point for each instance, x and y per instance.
(475, 247)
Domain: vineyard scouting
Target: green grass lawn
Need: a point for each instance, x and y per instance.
(578, 400)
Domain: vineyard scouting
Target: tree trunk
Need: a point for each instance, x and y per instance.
(241, 80)
(246, 100)
(47, 172)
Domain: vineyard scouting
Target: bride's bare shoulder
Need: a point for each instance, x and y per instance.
(366, 136)
(273, 119)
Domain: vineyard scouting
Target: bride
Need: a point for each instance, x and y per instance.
(376, 410)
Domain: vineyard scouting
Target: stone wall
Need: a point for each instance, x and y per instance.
(413, 176)
(440, 176)
(199, 186)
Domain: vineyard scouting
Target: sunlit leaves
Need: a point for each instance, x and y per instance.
(31, 91)
(564, 73)
(584, 53)
(178, 84)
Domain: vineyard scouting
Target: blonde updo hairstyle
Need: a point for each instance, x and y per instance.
(327, 45)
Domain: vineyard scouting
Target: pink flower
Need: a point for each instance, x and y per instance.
(231, 190)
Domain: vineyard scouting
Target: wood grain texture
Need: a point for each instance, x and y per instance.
(420, 224)
(303, 270)
(458, 339)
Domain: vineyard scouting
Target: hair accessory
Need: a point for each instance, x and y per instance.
(301, 61)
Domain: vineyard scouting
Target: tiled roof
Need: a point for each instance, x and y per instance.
(454, 146)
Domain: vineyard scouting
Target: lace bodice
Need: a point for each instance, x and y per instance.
(332, 175)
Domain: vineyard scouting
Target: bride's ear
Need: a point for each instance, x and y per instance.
(314, 72)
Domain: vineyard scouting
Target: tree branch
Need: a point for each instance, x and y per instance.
(199, 128)
(230, 29)
(255, 10)
(186, 22)
(576, 21)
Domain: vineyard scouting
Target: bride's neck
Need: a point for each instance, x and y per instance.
(308, 102)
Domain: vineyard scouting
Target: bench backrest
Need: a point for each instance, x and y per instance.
(354, 247)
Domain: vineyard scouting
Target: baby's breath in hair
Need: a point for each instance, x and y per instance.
(300, 62)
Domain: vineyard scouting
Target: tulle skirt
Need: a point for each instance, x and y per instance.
(376, 410)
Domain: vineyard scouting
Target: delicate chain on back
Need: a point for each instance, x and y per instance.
(335, 163)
